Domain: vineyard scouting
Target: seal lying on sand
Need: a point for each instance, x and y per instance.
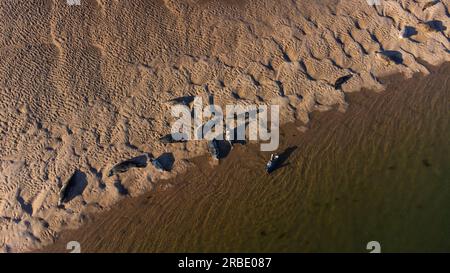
(168, 139)
(213, 147)
(273, 163)
(73, 188)
(164, 163)
(339, 82)
(137, 162)
(158, 165)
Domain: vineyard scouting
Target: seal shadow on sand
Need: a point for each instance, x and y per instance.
(224, 148)
(393, 55)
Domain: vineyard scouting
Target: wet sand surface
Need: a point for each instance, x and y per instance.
(378, 172)
(89, 88)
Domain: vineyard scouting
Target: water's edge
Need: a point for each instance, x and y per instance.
(205, 202)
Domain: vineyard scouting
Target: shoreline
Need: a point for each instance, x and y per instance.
(173, 188)
(84, 91)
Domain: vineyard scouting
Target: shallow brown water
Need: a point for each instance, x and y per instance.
(378, 172)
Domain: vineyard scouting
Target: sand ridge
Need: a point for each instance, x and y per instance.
(86, 87)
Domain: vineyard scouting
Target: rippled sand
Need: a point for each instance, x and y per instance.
(86, 87)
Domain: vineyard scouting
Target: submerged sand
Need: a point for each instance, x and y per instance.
(86, 87)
